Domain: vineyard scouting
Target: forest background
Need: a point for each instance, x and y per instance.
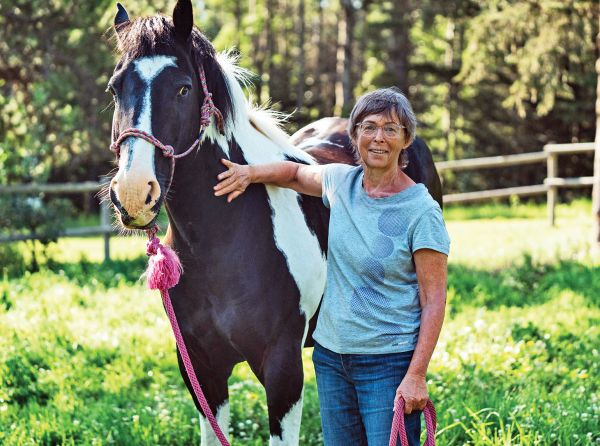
(485, 77)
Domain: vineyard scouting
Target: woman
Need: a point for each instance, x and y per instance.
(386, 278)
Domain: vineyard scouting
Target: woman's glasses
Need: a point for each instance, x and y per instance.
(389, 130)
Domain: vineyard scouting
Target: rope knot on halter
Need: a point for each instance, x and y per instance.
(209, 108)
(152, 246)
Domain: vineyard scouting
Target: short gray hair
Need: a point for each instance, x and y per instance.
(388, 101)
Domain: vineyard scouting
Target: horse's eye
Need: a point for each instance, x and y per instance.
(183, 91)
(111, 90)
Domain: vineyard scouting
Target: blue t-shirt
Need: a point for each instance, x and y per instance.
(371, 303)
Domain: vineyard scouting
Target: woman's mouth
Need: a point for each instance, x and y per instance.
(378, 151)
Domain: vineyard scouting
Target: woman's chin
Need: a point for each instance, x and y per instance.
(377, 161)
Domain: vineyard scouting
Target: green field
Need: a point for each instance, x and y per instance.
(87, 356)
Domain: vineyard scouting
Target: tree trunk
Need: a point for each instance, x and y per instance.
(258, 53)
(270, 14)
(596, 190)
(238, 23)
(318, 39)
(301, 56)
(283, 46)
(400, 46)
(343, 85)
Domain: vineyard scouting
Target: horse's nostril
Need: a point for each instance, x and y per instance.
(126, 219)
(153, 193)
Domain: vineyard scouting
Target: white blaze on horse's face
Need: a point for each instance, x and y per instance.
(135, 184)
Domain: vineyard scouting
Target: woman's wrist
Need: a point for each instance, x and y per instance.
(251, 174)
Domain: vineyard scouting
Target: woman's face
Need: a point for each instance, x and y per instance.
(380, 150)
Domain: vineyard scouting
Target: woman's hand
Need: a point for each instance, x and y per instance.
(234, 181)
(413, 389)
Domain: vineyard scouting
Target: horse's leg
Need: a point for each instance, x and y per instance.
(283, 378)
(214, 385)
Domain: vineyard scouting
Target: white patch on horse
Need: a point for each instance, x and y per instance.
(136, 166)
(262, 141)
(310, 142)
(140, 153)
(207, 435)
(290, 427)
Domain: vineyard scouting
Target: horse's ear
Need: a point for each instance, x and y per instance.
(183, 18)
(121, 16)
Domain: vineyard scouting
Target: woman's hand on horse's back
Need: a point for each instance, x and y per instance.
(234, 181)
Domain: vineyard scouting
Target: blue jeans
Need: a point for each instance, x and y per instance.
(356, 396)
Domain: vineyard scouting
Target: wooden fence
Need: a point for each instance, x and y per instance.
(551, 184)
(550, 187)
(105, 229)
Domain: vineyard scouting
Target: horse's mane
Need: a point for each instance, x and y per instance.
(247, 115)
(149, 36)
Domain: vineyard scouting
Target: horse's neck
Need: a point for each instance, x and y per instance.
(194, 211)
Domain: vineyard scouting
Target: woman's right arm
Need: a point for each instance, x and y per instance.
(303, 178)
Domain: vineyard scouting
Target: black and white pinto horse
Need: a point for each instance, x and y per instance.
(254, 269)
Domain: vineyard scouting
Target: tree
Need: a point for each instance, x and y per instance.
(596, 190)
(344, 85)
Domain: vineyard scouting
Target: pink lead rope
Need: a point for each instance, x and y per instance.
(164, 271)
(399, 430)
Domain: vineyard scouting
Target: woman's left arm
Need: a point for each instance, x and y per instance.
(432, 274)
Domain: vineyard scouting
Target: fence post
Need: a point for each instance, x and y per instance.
(104, 223)
(552, 190)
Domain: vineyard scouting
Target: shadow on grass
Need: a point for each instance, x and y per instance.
(522, 285)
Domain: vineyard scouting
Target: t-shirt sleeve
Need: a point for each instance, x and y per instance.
(430, 232)
(331, 177)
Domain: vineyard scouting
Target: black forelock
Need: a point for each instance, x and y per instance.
(149, 36)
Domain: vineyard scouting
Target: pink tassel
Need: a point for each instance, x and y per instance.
(164, 267)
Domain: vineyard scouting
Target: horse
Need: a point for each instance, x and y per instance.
(253, 270)
(327, 141)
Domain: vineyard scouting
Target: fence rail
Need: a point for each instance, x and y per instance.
(105, 229)
(551, 184)
(550, 187)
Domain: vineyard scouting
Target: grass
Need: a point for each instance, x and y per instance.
(87, 358)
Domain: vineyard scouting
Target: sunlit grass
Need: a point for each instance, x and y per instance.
(517, 209)
(87, 355)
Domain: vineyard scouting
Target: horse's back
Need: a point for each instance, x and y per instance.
(327, 141)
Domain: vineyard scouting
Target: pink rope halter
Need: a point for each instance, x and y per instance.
(164, 267)
(208, 109)
(398, 428)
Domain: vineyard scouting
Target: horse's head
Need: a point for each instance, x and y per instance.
(157, 90)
